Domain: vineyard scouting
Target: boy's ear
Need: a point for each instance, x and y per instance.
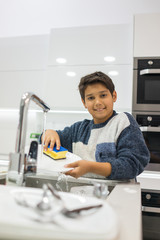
(114, 96)
(83, 103)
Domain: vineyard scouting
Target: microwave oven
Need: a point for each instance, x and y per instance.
(146, 84)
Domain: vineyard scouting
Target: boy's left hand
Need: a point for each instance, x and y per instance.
(81, 167)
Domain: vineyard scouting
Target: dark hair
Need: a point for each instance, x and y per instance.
(97, 77)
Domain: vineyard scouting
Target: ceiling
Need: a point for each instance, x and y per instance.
(34, 17)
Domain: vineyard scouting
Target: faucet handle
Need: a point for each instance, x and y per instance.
(30, 164)
(28, 169)
(100, 190)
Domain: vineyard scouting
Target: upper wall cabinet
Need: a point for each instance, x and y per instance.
(147, 35)
(89, 45)
(23, 63)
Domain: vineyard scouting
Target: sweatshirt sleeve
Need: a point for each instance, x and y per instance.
(70, 134)
(132, 154)
(66, 138)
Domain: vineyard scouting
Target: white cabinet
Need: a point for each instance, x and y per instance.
(147, 35)
(23, 62)
(24, 53)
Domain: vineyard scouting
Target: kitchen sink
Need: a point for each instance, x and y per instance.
(37, 181)
(48, 171)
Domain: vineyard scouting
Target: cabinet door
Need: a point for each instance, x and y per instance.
(89, 45)
(147, 35)
(23, 62)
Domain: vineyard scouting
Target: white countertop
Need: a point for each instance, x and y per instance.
(149, 180)
(126, 201)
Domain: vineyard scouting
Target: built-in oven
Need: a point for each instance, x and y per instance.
(146, 84)
(150, 126)
(151, 214)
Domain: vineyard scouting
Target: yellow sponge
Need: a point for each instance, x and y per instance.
(56, 154)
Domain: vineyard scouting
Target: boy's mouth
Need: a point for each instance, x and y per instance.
(99, 109)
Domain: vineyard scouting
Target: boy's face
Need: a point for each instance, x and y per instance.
(99, 102)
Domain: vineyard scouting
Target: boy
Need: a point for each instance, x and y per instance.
(111, 144)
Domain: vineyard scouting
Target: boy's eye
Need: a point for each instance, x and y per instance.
(103, 95)
(90, 98)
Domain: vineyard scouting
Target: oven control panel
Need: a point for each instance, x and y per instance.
(150, 198)
(148, 120)
(148, 63)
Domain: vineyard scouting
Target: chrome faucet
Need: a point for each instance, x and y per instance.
(18, 160)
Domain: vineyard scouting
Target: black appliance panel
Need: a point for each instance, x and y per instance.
(148, 120)
(148, 63)
(151, 214)
(150, 127)
(146, 84)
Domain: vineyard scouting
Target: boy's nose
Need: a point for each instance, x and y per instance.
(97, 101)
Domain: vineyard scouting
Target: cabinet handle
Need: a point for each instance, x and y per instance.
(149, 71)
(150, 209)
(150, 129)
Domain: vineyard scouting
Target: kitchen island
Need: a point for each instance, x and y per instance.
(125, 199)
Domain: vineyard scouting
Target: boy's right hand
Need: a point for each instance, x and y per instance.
(51, 137)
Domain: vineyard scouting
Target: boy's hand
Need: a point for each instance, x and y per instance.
(51, 137)
(80, 168)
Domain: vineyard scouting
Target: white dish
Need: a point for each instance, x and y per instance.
(47, 165)
(64, 170)
(33, 196)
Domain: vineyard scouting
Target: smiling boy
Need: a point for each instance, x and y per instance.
(111, 144)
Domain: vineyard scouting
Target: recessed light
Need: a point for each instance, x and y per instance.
(71, 74)
(113, 73)
(61, 60)
(109, 59)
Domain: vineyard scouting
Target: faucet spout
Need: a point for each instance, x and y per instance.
(21, 132)
(19, 154)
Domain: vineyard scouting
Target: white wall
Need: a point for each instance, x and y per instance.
(34, 17)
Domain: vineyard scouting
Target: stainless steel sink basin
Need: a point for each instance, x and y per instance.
(38, 180)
